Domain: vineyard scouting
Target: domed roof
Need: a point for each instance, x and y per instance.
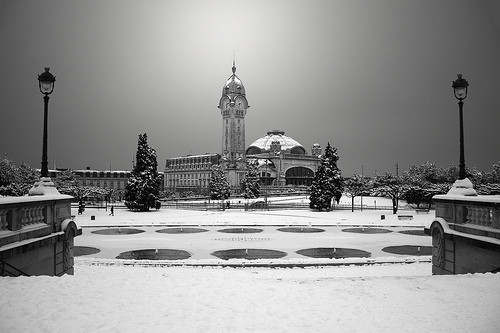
(233, 85)
(263, 144)
(232, 89)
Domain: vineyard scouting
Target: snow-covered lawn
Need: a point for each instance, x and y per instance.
(381, 298)
(124, 217)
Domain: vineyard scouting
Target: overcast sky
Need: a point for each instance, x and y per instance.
(371, 77)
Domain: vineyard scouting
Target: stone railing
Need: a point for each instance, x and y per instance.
(483, 216)
(11, 219)
(21, 215)
(37, 234)
(465, 234)
(481, 211)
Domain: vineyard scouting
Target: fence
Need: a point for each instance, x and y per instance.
(242, 205)
(258, 205)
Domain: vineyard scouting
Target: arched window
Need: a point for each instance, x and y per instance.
(298, 151)
(253, 151)
(299, 176)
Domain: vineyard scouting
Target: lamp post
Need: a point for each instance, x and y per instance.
(460, 90)
(278, 174)
(46, 84)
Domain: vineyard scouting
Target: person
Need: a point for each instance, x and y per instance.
(81, 208)
(112, 211)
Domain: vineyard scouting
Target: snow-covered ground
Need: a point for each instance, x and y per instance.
(290, 217)
(385, 298)
(107, 296)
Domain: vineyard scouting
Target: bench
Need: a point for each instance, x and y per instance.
(422, 211)
(405, 217)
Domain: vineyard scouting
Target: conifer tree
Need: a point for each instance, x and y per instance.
(143, 186)
(250, 184)
(218, 185)
(327, 183)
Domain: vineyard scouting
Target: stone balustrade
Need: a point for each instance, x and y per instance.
(17, 213)
(474, 210)
(36, 234)
(483, 216)
(465, 234)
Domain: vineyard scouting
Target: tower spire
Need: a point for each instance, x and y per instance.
(234, 66)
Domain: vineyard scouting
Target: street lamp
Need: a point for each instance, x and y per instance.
(46, 83)
(460, 90)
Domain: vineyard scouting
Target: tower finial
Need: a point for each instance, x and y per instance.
(234, 66)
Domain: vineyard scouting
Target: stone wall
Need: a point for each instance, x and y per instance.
(37, 236)
(465, 234)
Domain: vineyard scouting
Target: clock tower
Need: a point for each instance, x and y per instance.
(233, 106)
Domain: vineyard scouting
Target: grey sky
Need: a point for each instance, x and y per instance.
(373, 78)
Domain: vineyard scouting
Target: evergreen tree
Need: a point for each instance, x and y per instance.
(218, 185)
(143, 186)
(250, 184)
(327, 183)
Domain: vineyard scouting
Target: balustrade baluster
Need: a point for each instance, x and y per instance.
(495, 218)
(479, 216)
(486, 216)
(39, 214)
(24, 217)
(30, 215)
(471, 214)
(3, 220)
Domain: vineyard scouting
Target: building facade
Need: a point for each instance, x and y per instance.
(189, 173)
(109, 179)
(233, 106)
(281, 160)
(113, 180)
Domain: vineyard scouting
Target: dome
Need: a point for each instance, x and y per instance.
(233, 85)
(275, 138)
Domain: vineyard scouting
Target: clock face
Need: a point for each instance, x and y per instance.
(241, 103)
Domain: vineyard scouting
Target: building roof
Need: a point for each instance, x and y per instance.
(233, 85)
(288, 144)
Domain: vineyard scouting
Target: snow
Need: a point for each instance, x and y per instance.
(131, 296)
(233, 216)
(44, 187)
(382, 298)
(462, 187)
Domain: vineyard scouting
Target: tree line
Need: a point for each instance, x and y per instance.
(417, 185)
